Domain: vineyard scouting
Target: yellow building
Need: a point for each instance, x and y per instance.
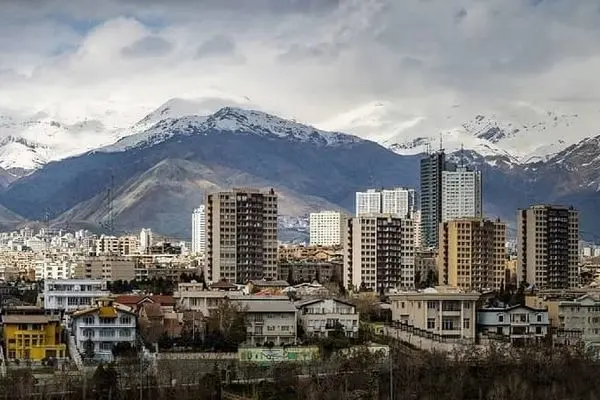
(32, 337)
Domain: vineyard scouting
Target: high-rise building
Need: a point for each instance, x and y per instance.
(397, 202)
(461, 194)
(198, 230)
(379, 253)
(145, 239)
(241, 235)
(548, 246)
(417, 222)
(368, 202)
(472, 253)
(326, 228)
(431, 197)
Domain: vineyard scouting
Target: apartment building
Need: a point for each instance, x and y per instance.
(241, 235)
(270, 319)
(104, 325)
(579, 318)
(444, 311)
(518, 324)
(110, 268)
(32, 336)
(198, 230)
(472, 254)
(379, 253)
(320, 317)
(117, 246)
(72, 294)
(398, 202)
(425, 266)
(54, 269)
(194, 297)
(461, 194)
(548, 246)
(326, 228)
(431, 197)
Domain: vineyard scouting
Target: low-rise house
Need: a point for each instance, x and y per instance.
(166, 303)
(269, 320)
(518, 324)
(579, 319)
(320, 317)
(443, 311)
(29, 336)
(193, 297)
(102, 327)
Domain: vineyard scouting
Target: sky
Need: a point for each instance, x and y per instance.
(311, 60)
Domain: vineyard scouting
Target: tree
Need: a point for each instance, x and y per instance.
(105, 379)
(228, 321)
(88, 349)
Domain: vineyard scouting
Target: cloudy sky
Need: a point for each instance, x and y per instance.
(305, 59)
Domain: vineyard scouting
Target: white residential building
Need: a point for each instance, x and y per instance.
(319, 317)
(461, 194)
(271, 319)
(54, 269)
(145, 239)
(192, 296)
(398, 202)
(198, 230)
(580, 317)
(73, 294)
(326, 228)
(379, 253)
(518, 324)
(104, 325)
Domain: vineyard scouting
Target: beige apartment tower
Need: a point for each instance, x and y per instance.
(241, 235)
(472, 253)
(548, 246)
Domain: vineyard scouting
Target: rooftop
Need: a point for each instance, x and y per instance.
(265, 283)
(25, 319)
(275, 306)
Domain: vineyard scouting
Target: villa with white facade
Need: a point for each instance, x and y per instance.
(73, 294)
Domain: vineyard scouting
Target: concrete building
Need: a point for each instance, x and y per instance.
(326, 228)
(54, 269)
(198, 230)
(426, 266)
(398, 202)
(417, 222)
(269, 320)
(548, 246)
(519, 325)
(472, 254)
(432, 167)
(72, 294)
(110, 268)
(195, 297)
(379, 253)
(241, 235)
(32, 337)
(461, 194)
(117, 246)
(104, 325)
(579, 319)
(145, 240)
(319, 317)
(444, 311)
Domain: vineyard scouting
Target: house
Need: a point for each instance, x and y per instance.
(262, 285)
(73, 294)
(579, 319)
(166, 303)
(102, 327)
(269, 319)
(192, 297)
(517, 324)
(444, 311)
(319, 317)
(32, 336)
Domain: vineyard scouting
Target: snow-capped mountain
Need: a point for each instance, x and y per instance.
(517, 133)
(230, 119)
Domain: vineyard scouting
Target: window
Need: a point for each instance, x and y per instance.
(125, 319)
(124, 333)
(285, 327)
(258, 330)
(107, 321)
(270, 328)
(430, 323)
(538, 330)
(539, 318)
(431, 304)
(500, 318)
(447, 324)
(466, 323)
(106, 346)
(89, 320)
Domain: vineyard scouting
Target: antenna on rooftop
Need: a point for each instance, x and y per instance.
(462, 155)
(441, 141)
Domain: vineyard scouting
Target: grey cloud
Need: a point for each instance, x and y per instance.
(149, 46)
(321, 52)
(216, 46)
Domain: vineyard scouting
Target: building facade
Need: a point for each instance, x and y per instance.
(548, 246)
(472, 254)
(461, 194)
(399, 202)
(117, 246)
(519, 325)
(109, 268)
(102, 327)
(320, 317)
(73, 294)
(444, 311)
(326, 228)
(379, 253)
(269, 320)
(432, 167)
(32, 337)
(198, 230)
(241, 235)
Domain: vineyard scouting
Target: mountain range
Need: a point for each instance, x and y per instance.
(158, 169)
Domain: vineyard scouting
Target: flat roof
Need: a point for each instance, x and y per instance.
(25, 319)
(281, 306)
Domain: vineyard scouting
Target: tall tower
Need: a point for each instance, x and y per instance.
(461, 194)
(548, 246)
(432, 166)
(198, 230)
(241, 235)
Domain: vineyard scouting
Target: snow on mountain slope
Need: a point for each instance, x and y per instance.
(230, 119)
(518, 131)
